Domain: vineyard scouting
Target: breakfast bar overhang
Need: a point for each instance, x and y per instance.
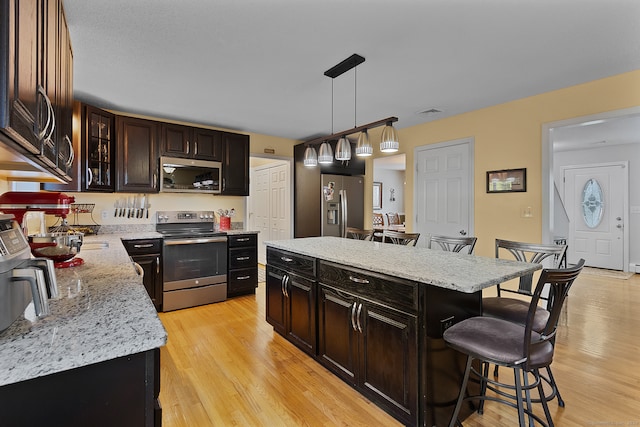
(374, 313)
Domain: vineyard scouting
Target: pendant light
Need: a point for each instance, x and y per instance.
(325, 155)
(364, 148)
(310, 157)
(389, 142)
(343, 149)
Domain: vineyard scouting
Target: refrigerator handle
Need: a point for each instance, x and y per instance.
(344, 205)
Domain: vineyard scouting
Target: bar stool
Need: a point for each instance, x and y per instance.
(512, 345)
(400, 238)
(393, 218)
(359, 234)
(514, 309)
(453, 244)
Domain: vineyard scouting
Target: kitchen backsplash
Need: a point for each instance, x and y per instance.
(105, 213)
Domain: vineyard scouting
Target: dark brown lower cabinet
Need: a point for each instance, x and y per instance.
(291, 307)
(372, 347)
(380, 334)
(119, 392)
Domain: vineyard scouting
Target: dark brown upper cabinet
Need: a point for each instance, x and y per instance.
(137, 155)
(190, 142)
(36, 83)
(235, 166)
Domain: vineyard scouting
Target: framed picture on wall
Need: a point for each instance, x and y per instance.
(377, 195)
(507, 181)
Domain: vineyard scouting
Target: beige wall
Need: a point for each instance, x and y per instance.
(510, 136)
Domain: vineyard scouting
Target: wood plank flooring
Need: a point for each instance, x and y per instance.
(224, 366)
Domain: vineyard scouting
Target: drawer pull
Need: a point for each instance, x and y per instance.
(246, 239)
(242, 258)
(148, 245)
(358, 280)
(243, 277)
(285, 259)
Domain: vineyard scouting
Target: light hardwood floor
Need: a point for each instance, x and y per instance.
(224, 366)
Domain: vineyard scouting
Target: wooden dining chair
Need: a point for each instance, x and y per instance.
(393, 218)
(400, 238)
(359, 234)
(453, 244)
(378, 220)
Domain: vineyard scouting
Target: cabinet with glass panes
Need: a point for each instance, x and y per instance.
(100, 144)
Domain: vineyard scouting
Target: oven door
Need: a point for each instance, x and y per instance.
(194, 262)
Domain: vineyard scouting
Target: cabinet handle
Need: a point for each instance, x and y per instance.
(89, 177)
(157, 265)
(40, 134)
(155, 182)
(242, 258)
(245, 239)
(358, 317)
(353, 317)
(195, 148)
(243, 277)
(72, 155)
(285, 259)
(188, 146)
(147, 245)
(286, 283)
(358, 280)
(282, 284)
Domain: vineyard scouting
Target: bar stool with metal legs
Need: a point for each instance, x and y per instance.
(515, 309)
(519, 347)
(453, 244)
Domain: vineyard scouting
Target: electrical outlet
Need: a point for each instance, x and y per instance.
(446, 324)
(105, 214)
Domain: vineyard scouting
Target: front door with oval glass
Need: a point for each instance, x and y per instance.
(594, 199)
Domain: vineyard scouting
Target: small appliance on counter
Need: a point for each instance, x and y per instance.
(22, 279)
(60, 247)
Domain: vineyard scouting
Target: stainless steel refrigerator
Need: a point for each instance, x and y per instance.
(342, 204)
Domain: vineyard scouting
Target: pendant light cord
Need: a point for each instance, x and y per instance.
(355, 96)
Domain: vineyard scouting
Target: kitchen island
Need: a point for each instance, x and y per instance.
(95, 359)
(374, 313)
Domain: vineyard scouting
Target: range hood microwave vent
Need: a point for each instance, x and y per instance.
(178, 175)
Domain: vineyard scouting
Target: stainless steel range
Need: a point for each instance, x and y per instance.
(194, 259)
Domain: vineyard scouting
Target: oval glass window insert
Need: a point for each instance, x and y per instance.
(592, 203)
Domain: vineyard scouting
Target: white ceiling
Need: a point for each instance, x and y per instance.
(258, 66)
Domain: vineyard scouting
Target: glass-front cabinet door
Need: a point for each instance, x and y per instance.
(100, 144)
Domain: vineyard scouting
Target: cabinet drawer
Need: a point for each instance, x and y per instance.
(243, 258)
(241, 240)
(143, 246)
(396, 293)
(300, 264)
(242, 281)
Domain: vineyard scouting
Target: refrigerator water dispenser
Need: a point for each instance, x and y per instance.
(332, 213)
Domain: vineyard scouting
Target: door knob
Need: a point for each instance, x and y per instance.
(463, 232)
(618, 219)
(619, 226)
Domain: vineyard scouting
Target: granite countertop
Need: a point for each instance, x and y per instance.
(460, 272)
(103, 312)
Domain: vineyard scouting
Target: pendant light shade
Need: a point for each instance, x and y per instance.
(343, 149)
(364, 148)
(326, 153)
(389, 142)
(310, 157)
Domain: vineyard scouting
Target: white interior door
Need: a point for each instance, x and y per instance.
(269, 204)
(280, 216)
(444, 189)
(595, 200)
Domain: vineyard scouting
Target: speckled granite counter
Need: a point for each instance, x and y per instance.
(460, 272)
(103, 313)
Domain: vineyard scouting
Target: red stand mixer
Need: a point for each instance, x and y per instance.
(59, 247)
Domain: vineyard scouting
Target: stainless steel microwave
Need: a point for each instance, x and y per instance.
(179, 175)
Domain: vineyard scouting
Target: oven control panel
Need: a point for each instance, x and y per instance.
(170, 217)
